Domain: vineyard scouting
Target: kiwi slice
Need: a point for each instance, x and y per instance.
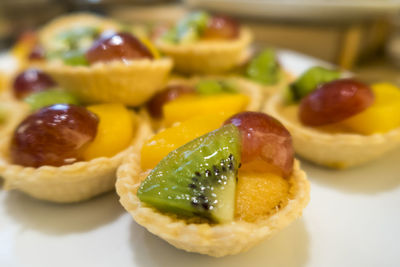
(188, 29)
(75, 58)
(310, 80)
(197, 179)
(264, 68)
(212, 87)
(50, 97)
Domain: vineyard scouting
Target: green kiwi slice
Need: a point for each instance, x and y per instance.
(197, 179)
(46, 98)
(310, 80)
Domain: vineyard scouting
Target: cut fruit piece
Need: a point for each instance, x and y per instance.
(114, 133)
(75, 58)
(197, 179)
(309, 81)
(153, 50)
(53, 136)
(382, 116)
(335, 102)
(212, 87)
(171, 92)
(155, 149)
(264, 68)
(259, 194)
(188, 29)
(187, 107)
(264, 139)
(47, 98)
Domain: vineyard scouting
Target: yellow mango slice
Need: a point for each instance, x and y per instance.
(259, 194)
(114, 133)
(155, 149)
(187, 107)
(382, 116)
(151, 47)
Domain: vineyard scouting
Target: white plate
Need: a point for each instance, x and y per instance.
(353, 219)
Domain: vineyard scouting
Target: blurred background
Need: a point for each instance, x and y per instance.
(361, 35)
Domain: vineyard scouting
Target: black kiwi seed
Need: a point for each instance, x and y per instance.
(195, 202)
(202, 184)
(206, 206)
(193, 186)
(230, 166)
(216, 170)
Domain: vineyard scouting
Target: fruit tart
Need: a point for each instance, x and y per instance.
(32, 89)
(339, 122)
(69, 153)
(96, 59)
(183, 99)
(204, 43)
(213, 189)
(27, 51)
(263, 69)
(13, 109)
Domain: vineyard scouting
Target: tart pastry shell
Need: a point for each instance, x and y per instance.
(77, 20)
(131, 83)
(334, 150)
(15, 111)
(270, 90)
(68, 183)
(207, 56)
(214, 240)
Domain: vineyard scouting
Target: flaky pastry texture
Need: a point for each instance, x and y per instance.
(215, 240)
(131, 83)
(68, 183)
(207, 56)
(334, 150)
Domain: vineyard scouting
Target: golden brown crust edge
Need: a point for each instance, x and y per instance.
(333, 150)
(217, 240)
(15, 110)
(207, 56)
(130, 83)
(68, 183)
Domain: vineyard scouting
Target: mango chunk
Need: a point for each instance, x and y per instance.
(187, 107)
(382, 116)
(114, 133)
(156, 148)
(259, 194)
(151, 47)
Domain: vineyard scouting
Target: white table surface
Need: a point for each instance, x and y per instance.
(353, 219)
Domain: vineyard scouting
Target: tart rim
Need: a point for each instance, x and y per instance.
(214, 240)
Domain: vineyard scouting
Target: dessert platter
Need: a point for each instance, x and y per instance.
(181, 145)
